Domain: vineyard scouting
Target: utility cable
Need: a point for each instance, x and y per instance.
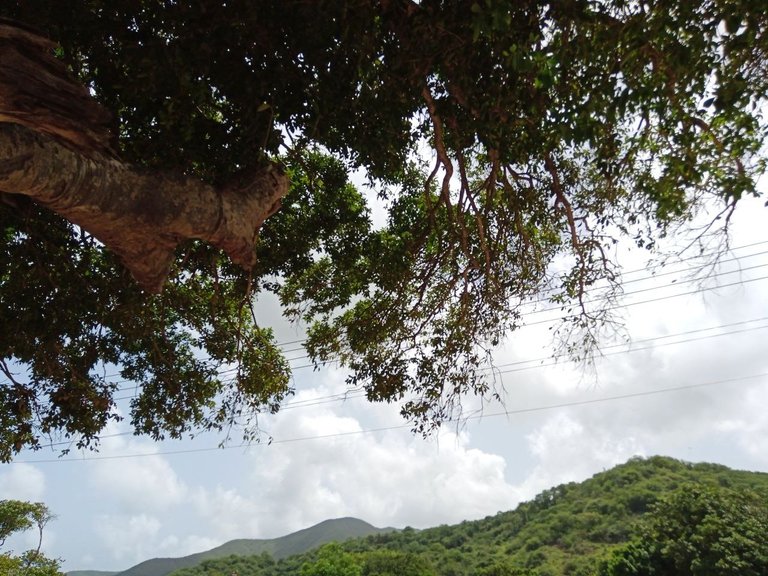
(556, 308)
(479, 416)
(544, 362)
(355, 393)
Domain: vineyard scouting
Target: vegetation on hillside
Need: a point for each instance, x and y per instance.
(679, 518)
(698, 530)
(291, 544)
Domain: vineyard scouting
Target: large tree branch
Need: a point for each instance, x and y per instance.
(55, 148)
(37, 91)
(140, 216)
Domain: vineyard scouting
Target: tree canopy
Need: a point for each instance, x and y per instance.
(18, 516)
(514, 144)
(698, 530)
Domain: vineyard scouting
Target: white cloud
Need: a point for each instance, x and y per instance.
(568, 448)
(198, 520)
(389, 478)
(22, 482)
(129, 538)
(27, 483)
(148, 483)
(749, 427)
(225, 514)
(173, 546)
(135, 484)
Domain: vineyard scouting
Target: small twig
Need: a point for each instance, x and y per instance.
(478, 218)
(705, 127)
(8, 374)
(561, 201)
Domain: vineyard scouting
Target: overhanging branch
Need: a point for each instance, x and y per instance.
(140, 216)
(56, 149)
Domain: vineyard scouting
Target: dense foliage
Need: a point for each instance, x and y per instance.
(698, 530)
(654, 516)
(555, 129)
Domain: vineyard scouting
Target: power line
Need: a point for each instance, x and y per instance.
(566, 317)
(634, 292)
(554, 308)
(661, 287)
(640, 291)
(698, 257)
(625, 282)
(618, 306)
(651, 276)
(659, 299)
(654, 276)
(657, 338)
(552, 360)
(608, 309)
(507, 413)
(545, 361)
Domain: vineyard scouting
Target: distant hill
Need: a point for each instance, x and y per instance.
(336, 530)
(565, 530)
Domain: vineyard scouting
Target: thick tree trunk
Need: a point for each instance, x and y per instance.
(140, 216)
(55, 149)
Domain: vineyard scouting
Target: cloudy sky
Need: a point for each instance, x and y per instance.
(692, 384)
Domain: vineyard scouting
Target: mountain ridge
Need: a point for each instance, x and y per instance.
(331, 530)
(568, 530)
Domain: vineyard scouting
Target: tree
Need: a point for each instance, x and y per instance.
(332, 560)
(506, 569)
(394, 563)
(698, 530)
(556, 129)
(17, 516)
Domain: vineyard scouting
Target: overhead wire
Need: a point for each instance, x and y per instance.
(534, 323)
(625, 282)
(623, 295)
(554, 359)
(547, 361)
(661, 298)
(674, 283)
(504, 413)
(647, 277)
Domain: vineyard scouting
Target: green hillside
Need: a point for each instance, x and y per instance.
(91, 573)
(571, 529)
(328, 531)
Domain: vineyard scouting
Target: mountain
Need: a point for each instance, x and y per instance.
(566, 530)
(336, 530)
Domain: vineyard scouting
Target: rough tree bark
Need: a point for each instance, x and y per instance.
(56, 149)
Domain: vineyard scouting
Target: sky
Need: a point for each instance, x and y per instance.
(692, 383)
